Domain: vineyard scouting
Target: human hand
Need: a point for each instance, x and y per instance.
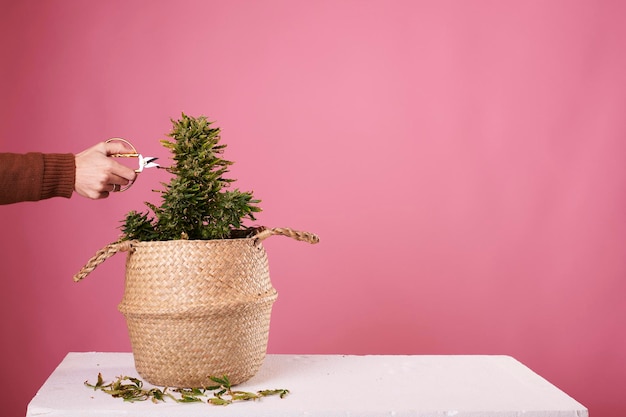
(97, 175)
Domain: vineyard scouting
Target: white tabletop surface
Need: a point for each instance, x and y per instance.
(329, 386)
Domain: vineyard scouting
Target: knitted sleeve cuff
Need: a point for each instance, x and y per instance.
(58, 175)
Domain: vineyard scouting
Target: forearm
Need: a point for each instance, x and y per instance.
(35, 176)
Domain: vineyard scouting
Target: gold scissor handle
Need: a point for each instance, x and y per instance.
(133, 154)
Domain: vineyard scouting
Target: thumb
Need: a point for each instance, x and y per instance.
(116, 145)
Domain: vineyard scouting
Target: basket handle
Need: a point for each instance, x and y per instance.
(284, 231)
(102, 255)
(127, 246)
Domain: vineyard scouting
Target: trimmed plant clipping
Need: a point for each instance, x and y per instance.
(197, 291)
(220, 393)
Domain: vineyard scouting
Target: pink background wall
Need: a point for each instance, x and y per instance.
(462, 162)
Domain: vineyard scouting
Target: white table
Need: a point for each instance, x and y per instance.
(328, 385)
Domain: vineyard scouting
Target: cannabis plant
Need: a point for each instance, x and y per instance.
(196, 203)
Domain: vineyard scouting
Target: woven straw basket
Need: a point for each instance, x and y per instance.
(197, 308)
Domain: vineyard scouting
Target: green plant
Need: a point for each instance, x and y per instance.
(195, 203)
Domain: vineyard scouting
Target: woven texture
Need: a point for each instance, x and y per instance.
(196, 309)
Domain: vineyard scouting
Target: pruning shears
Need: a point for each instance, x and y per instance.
(144, 161)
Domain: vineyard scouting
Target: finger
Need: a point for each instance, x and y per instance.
(123, 173)
(117, 146)
(116, 179)
(113, 188)
(117, 183)
(103, 194)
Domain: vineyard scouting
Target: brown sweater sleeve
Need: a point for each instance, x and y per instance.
(35, 176)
